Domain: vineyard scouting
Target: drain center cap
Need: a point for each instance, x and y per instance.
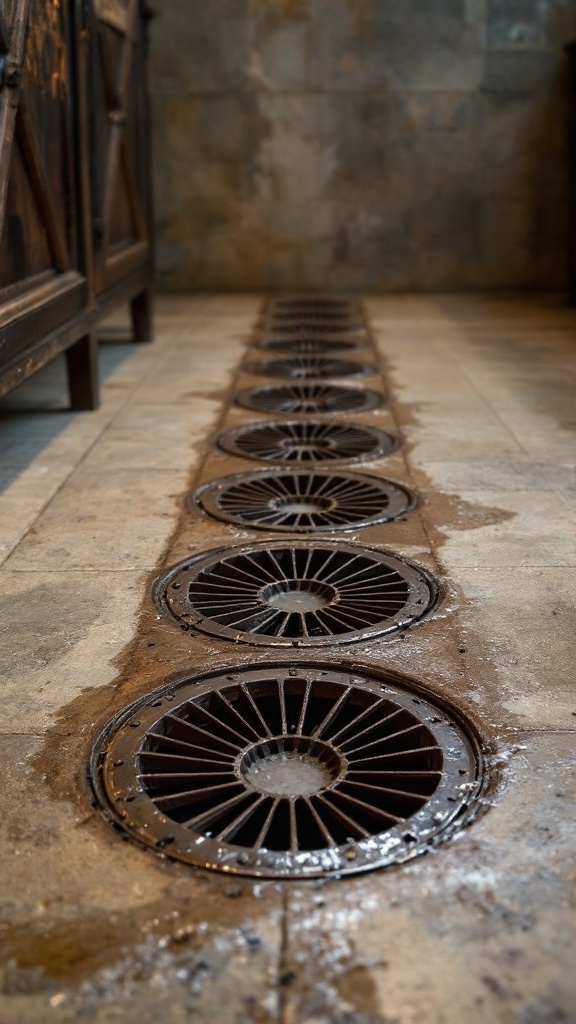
(291, 766)
(298, 595)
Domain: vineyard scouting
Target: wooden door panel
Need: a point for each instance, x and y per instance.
(120, 200)
(39, 210)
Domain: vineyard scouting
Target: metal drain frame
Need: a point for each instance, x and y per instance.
(454, 804)
(170, 595)
(207, 499)
(385, 443)
(369, 399)
(327, 368)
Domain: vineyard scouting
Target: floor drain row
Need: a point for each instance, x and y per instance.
(295, 770)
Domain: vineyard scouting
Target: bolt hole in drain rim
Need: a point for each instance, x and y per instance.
(289, 771)
(296, 594)
(308, 399)
(303, 502)
(307, 441)
(309, 346)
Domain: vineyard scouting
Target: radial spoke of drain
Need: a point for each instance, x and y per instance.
(213, 814)
(260, 839)
(344, 819)
(293, 825)
(158, 760)
(385, 739)
(256, 709)
(194, 796)
(282, 706)
(392, 754)
(367, 808)
(229, 831)
(203, 732)
(304, 707)
(238, 717)
(371, 791)
(355, 722)
(331, 715)
(159, 778)
(169, 741)
(323, 827)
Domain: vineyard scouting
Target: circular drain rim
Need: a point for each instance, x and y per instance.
(114, 774)
(370, 399)
(309, 346)
(272, 437)
(258, 586)
(310, 367)
(277, 483)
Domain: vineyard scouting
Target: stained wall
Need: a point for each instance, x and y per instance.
(360, 144)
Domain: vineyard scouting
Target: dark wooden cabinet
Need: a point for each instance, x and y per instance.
(75, 227)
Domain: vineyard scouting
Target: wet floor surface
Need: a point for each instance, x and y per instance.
(98, 929)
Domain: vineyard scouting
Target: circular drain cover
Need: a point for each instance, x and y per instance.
(307, 441)
(308, 399)
(287, 772)
(303, 593)
(315, 303)
(304, 501)
(328, 315)
(309, 367)
(308, 346)
(314, 325)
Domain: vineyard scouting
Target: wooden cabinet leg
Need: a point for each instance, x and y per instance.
(82, 362)
(141, 310)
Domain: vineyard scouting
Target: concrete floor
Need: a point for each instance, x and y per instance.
(99, 930)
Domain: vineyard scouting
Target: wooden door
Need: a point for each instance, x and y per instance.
(120, 159)
(43, 272)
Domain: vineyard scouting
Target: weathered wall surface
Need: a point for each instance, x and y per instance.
(360, 144)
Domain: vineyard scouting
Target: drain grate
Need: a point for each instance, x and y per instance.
(315, 303)
(307, 441)
(304, 501)
(301, 593)
(309, 368)
(328, 315)
(288, 771)
(308, 346)
(313, 325)
(307, 399)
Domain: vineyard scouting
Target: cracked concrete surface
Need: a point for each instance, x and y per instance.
(100, 930)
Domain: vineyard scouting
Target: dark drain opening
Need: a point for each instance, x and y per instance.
(308, 399)
(305, 593)
(307, 441)
(309, 367)
(304, 501)
(286, 771)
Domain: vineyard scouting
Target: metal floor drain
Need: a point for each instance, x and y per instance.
(304, 502)
(309, 346)
(288, 771)
(314, 325)
(307, 441)
(315, 303)
(308, 399)
(309, 368)
(302, 593)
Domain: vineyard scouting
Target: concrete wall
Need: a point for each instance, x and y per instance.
(360, 144)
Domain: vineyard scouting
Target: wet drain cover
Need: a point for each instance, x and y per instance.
(309, 367)
(307, 441)
(314, 325)
(308, 399)
(304, 501)
(308, 346)
(296, 594)
(288, 772)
